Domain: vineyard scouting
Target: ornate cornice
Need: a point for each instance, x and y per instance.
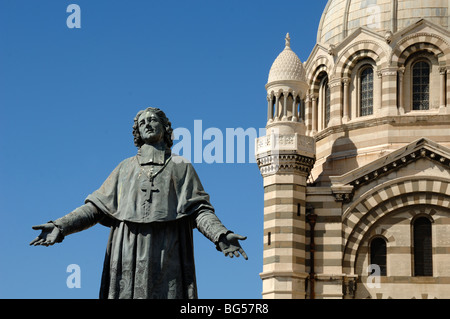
(424, 152)
(276, 143)
(343, 187)
(343, 193)
(285, 164)
(419, 34)
(285, 153)
(399, 120)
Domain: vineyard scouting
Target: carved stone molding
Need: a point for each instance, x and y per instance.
(388, 72)
(343, 193)
(332, 49)
(421, 34)
(276, 143)
(396, 164)
(285, 164)
(335, 83)
(399, 48)
(388, 37)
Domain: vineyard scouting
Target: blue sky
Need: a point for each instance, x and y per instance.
(67, 102)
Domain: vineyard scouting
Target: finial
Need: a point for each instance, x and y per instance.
(288, 40)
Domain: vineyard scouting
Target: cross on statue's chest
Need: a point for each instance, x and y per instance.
(147, 176)
(148, 187)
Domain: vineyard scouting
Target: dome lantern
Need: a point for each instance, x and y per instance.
(286, 87)
(287, 66)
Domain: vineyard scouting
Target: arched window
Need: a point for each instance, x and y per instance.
(378, 254)
(327, 104)
(421, 85)
(423, 258)
(366, 92)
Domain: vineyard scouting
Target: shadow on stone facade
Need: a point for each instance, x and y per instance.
(341, 160)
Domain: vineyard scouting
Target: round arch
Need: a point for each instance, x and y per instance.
(318, 77)
(319, 63)
(385, 199)
(359, 50)
(420, 42)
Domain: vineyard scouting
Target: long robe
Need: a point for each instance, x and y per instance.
(151, 203)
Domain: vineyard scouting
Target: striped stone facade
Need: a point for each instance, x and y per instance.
(362, 176)
(285, 162)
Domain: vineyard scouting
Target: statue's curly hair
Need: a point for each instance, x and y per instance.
(164, 121)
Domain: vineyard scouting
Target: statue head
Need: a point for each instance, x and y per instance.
(155, 114)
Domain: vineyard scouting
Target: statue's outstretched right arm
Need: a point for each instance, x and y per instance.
(80, 219)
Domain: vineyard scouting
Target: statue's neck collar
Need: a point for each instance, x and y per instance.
(153, 154)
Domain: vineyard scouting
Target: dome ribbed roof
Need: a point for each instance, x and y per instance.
(287, 66)
(342, 17)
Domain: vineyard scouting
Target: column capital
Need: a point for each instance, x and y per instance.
(335, 82)
(387, 72)
(379, 74)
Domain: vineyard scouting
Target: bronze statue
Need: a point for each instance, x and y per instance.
(151, 202)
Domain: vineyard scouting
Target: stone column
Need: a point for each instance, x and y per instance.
(269, 108)
(389, 92)
(346, 84)
(448, 89)
(401, 91)
(335, 102)
(285, 95)
(314, 114)
(443, 102)
(379, 101)
(295, 115)
(308, 115)
(277, 101)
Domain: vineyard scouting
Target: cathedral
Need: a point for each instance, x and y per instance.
(355, 162)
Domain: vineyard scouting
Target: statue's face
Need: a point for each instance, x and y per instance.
(150, 128)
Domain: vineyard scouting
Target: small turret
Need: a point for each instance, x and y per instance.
(286, 91)
(285, 157)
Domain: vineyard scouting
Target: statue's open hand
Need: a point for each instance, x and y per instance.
(230, 246)
(50, 235)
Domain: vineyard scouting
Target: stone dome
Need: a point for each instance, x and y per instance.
(342, 17)
(287, 66)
